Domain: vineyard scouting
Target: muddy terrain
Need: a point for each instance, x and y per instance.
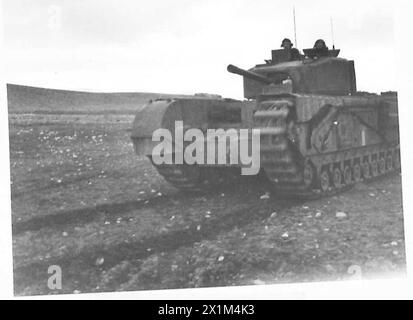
(82, 200)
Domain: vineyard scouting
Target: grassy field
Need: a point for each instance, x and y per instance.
(82, 200)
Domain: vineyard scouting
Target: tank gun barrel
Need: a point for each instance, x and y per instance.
(249, 74)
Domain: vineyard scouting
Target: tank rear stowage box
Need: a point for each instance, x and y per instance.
(318, 134)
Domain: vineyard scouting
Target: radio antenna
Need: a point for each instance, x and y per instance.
(332, 31)
(295, 28)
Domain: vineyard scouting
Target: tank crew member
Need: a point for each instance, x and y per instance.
(294, 53)
(321, 48)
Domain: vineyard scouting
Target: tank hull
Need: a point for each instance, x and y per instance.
(309, 144)
(328, 142)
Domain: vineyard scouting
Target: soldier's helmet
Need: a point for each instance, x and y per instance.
(286, 41)
(320, 44)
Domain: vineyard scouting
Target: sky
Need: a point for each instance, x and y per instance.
(184, 46)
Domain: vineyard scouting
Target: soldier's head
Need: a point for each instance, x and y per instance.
(286, 44)
(320, 44)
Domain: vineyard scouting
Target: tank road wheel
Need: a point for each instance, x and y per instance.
(347, 175)
(389, 162)
(382, 165)
(324, 180)
(356, 173)
(337, 178)
(308, 174)
(374, 168)
(366, 169)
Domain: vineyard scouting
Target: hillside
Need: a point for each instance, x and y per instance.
(25, 99)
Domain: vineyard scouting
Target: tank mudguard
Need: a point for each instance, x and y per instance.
(198, 113)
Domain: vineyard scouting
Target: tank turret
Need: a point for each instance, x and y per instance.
(311, 75)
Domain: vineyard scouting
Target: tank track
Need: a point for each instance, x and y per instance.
(194, 178)
(291, 174)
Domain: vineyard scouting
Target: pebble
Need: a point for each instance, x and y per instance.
(221, 258)
(99, 261)
(284, 235)
(341, 215)
(265, 196)
(318, 214)
(330, 268)
(258, 282)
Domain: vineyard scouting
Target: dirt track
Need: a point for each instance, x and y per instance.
(82, 200)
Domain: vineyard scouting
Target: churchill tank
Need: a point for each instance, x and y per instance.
(317, 133)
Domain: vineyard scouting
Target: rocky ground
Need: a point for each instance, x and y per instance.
(83, 201)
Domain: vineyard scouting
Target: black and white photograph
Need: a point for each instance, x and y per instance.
(199, 144)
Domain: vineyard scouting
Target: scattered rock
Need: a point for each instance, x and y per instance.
(284, 235)
(394, 243)
(341, 215)
(221, 258)
(330, 269)
(198, 227)
(99, 261)
(274, 214)
(265, 196)
(318, 214)
(258, 282)
(65, 234)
